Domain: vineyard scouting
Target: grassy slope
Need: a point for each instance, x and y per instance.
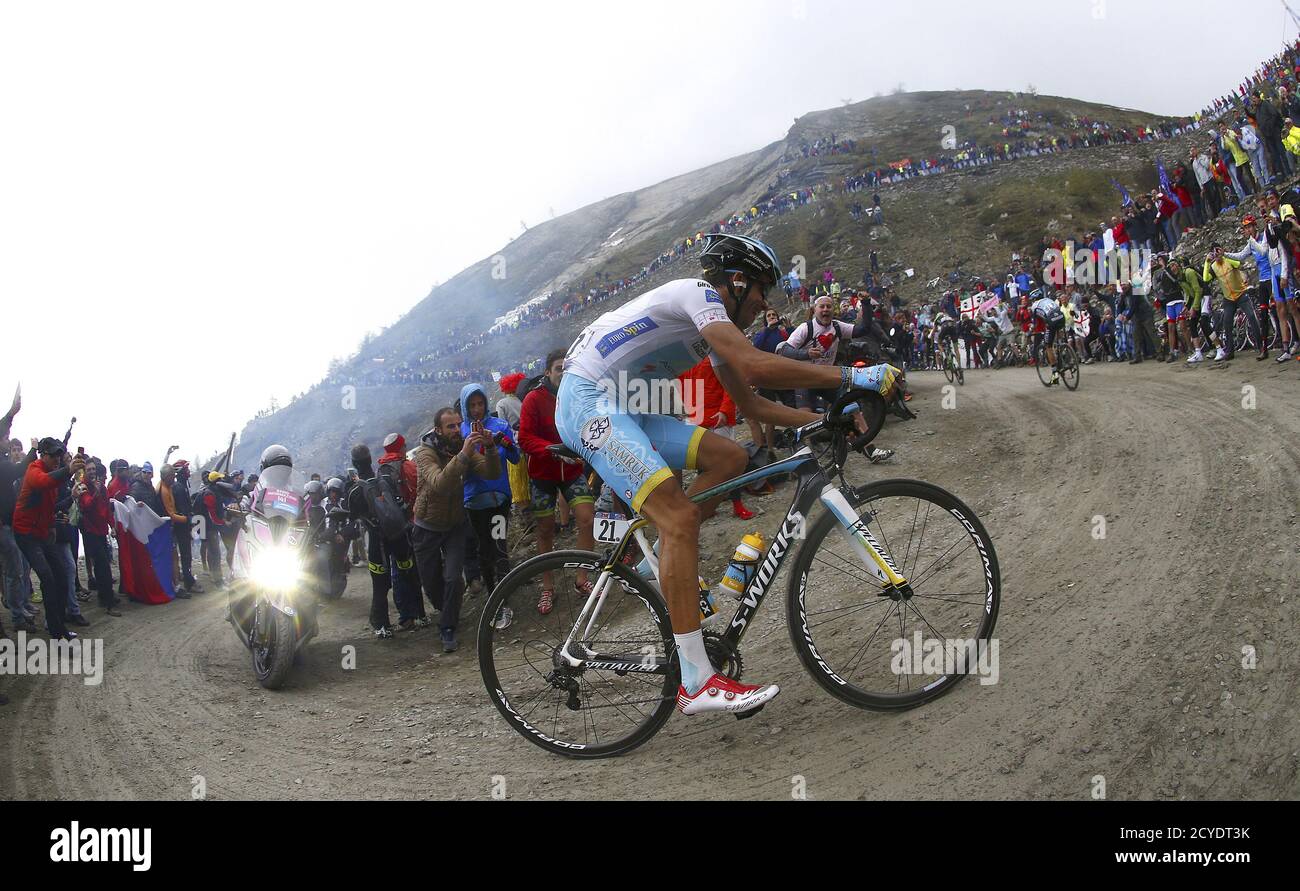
(930, 224)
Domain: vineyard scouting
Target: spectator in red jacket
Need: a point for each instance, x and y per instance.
(1117, 230)
(216, 495)
(96, 520)
(1167, 209)
(1024, 317)
(1184, 216)
(34, 528)
(550, 477)
(709, 405)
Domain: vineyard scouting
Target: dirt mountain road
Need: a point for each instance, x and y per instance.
(1121, 657)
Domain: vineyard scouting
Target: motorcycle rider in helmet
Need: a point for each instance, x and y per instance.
(357, 547)
(276, 456)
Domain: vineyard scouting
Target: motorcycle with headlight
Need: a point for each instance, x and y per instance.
(274, 599)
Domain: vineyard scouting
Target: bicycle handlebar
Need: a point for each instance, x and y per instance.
(838, 422)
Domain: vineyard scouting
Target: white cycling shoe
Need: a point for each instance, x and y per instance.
(721, 694)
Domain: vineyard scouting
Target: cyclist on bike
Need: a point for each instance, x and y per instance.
(655, 338)
(1266, 286)
(946, 330)
(1053, 317)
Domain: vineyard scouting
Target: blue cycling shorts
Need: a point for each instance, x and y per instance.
(633, 453)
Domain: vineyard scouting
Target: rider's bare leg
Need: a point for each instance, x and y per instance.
(718, 460)
(678, 520)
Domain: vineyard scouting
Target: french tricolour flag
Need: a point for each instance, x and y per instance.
(144, 543)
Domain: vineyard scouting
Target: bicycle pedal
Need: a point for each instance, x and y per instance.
(740, 716)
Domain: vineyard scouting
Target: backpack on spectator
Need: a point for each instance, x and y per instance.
(395, 473)
(385, 505)
(835, 332)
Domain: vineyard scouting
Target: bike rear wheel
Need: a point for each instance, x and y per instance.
(585, 712)
(1241, 338)
(844, 625)
(948, 368)
(1042, 367)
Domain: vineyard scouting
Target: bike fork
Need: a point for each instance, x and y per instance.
(873, 557)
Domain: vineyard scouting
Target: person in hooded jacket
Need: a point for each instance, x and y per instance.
(487, 501)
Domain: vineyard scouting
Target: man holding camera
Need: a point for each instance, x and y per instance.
(441, 530)
(33, 527)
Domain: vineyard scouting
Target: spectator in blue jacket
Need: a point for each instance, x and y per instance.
(771, 335)
(487, 502)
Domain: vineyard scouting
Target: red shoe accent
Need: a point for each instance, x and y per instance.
(724, 692)
(738, 508)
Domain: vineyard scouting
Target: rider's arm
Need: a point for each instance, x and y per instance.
(755, 407)
(756, 368)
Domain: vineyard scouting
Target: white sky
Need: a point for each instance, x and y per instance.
(172, 167)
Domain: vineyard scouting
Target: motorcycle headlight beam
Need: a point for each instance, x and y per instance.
(277, 569)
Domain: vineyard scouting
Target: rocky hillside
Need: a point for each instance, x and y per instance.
(976, 218)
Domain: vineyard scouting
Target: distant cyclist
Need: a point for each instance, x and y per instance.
(657, 337)
(946, 331)
(1053, 317)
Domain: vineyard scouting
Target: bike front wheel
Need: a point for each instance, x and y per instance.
(626, 687)
(862, 643)
(1070, 368)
